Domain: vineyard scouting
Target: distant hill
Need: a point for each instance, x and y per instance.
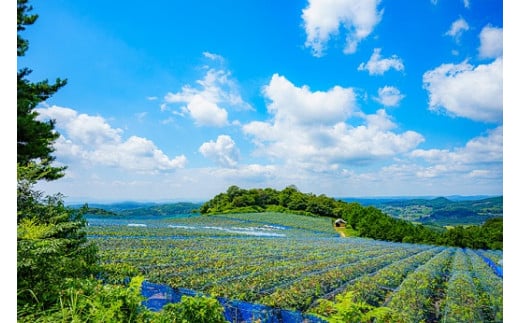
(440, 210)
(435, 211)
(140, 209)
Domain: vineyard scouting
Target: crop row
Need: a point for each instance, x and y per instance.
(287, 272)
(461, 303)
(494, 255)
(414, 282)
(455, 285)
(374, 289)
(489, 286)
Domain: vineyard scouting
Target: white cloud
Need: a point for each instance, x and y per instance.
(213, 57)
(90, 139)
(466, 91)
(475, 168)
(310, 129)
(483, 152)
(300, 105)
(491, 42)
(323, 19)
(223, 151)
(378, 66)
(204, 111)
(457, 28)
(389, 96)
(89, 131)
(207, 103)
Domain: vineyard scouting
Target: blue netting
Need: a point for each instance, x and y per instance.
(158, 295)
(491, 263)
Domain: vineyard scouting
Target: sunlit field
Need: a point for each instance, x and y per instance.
(292, 261)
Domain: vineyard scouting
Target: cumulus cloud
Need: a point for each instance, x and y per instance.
(92, 140)
(300, 105)
(310, 130)
(389, 96)
(479, 157)
(475, 168)
(463, 90)
(378, 66)
(458, 27)
(207, 103)
(323, 19)
(491, 42)
(223, 151)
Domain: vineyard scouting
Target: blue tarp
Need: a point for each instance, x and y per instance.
(158, 295)
(491, 263)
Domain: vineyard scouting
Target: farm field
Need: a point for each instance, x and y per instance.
(294, 262)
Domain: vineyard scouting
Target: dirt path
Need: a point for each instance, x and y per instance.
(341, 231)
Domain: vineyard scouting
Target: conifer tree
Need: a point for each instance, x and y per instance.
(52, 244)
(35, 138)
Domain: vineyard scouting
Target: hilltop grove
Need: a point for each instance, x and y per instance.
(368, 222)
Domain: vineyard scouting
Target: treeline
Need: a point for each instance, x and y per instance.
(369, 221)
(96, 211)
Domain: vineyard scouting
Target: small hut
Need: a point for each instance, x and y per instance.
(340, 223)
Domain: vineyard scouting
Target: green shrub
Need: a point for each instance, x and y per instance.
(88, 300)
(200, 309)
(346, 309)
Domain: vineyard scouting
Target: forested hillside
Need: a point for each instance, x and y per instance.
(368, 221)
(442, 211)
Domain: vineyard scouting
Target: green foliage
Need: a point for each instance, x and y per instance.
(91, 301)
(87, 300)
(200, 309)
(346, 309)
(51, 245)
(34, 138)
(23, 19)
(117, 272)
(487, 236)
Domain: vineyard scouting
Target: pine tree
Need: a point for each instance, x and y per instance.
(52, 245)
(35, 138)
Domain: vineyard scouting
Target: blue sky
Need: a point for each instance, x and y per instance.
(178, 100)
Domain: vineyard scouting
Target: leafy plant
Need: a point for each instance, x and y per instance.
(51, 244)
(200, 309)
(346, 309)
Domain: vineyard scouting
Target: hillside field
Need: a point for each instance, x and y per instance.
(297, 262)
